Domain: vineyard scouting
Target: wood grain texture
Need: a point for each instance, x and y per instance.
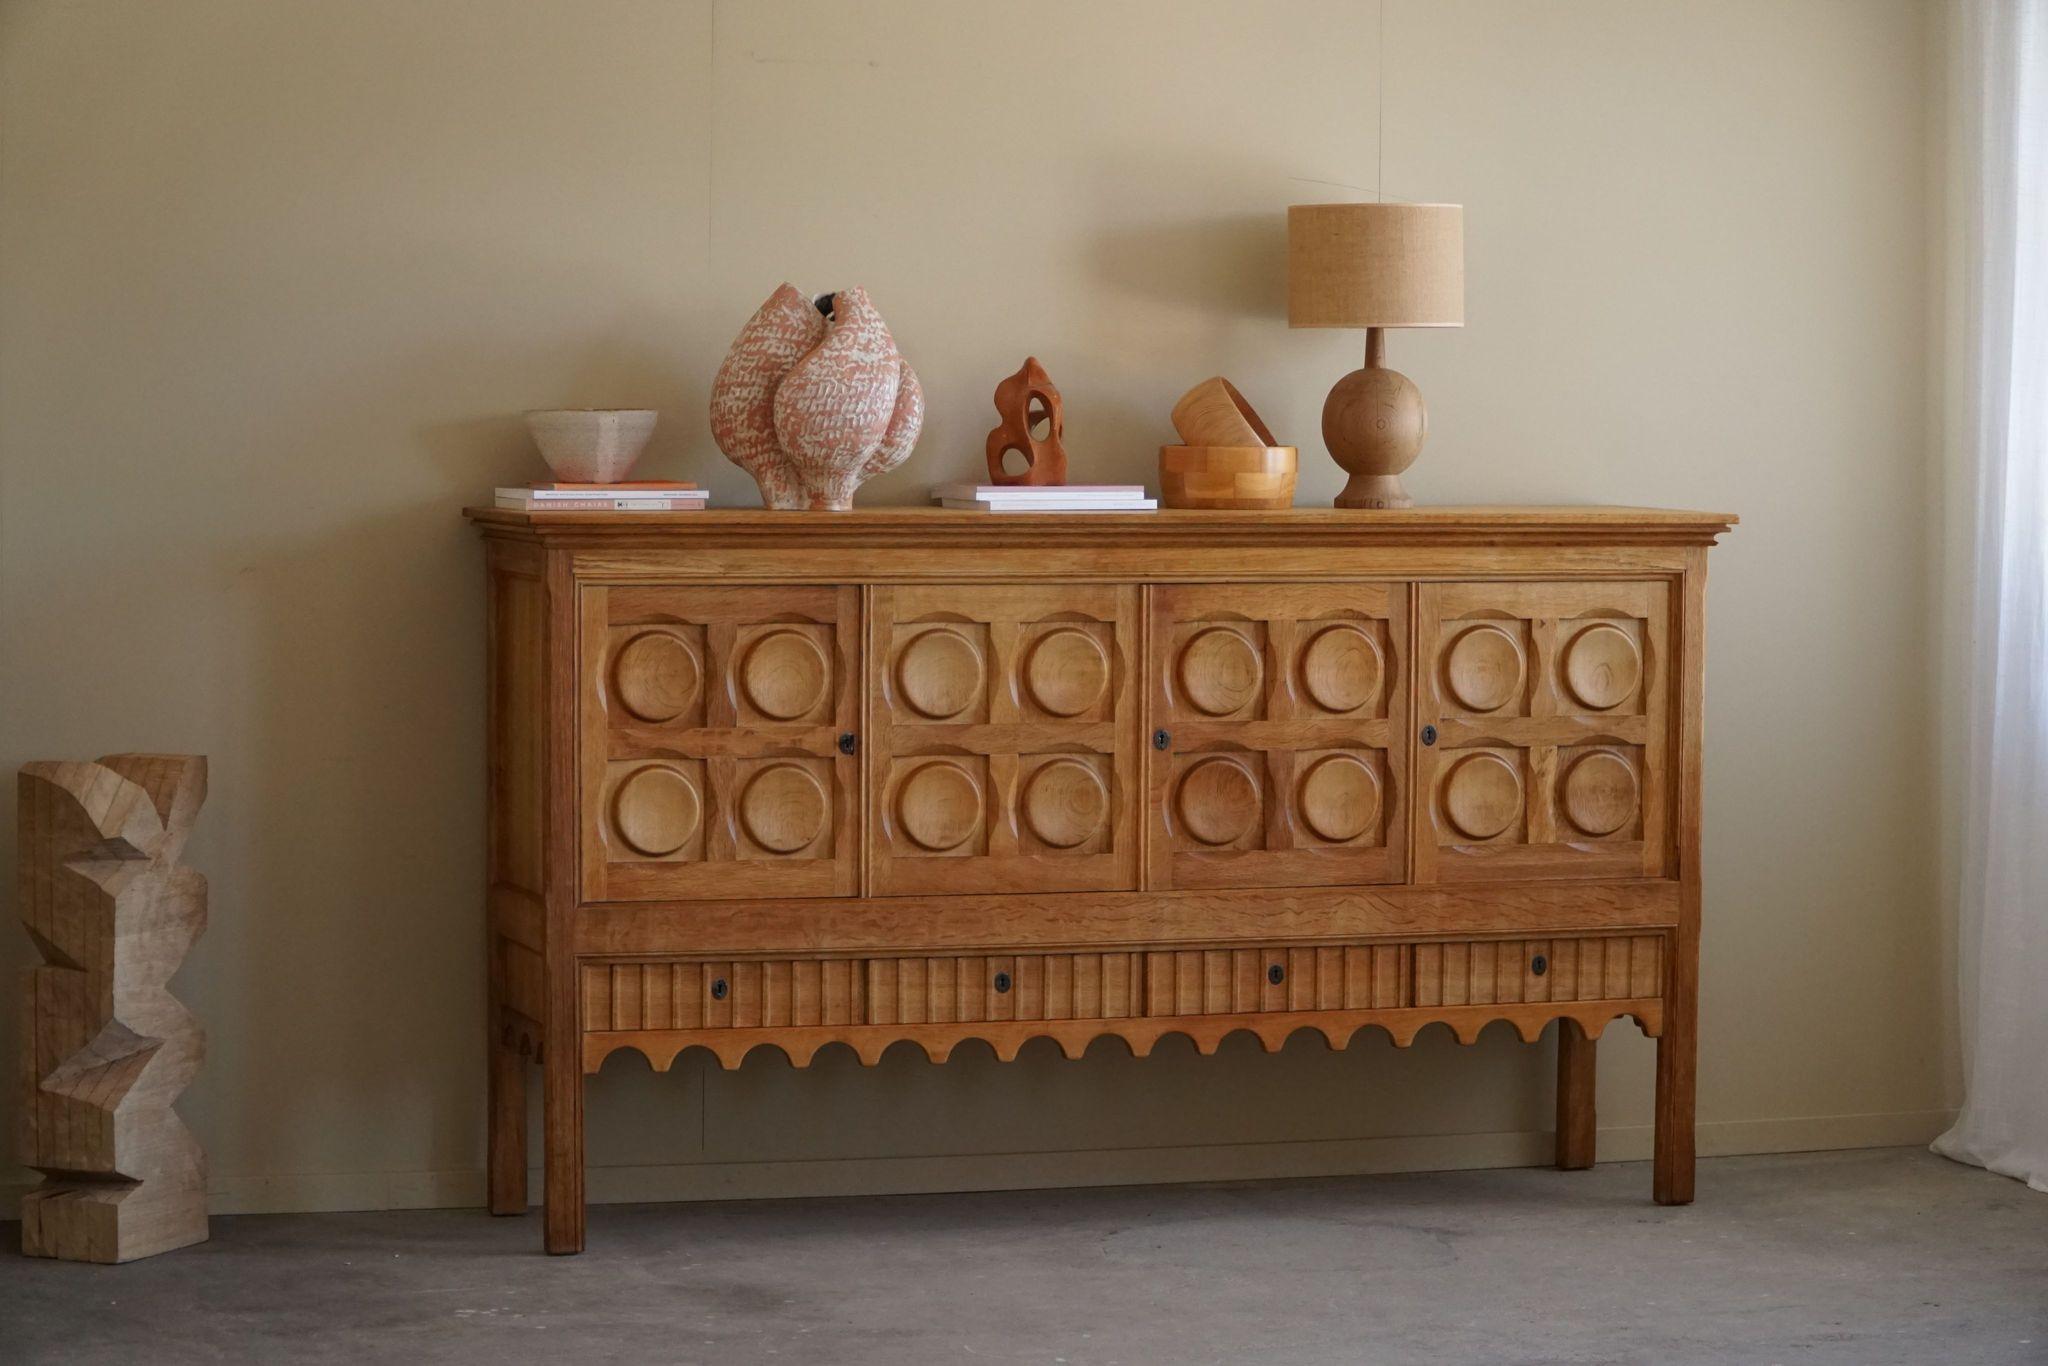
(913, 776)
(668, 995)
(516, 804)
(1678, 1053)
(106, 1049)
(1227, 476)
(561, 1077)
(1284, 712)
(1003, 739)
(1214, 413)
(1527, 777)
(1221, 916)
(1032, 426)
(917, 528)
(1577, 1117)
(1008, 1037)
(710, 742)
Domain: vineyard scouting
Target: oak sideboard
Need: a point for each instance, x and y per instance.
(796, 779)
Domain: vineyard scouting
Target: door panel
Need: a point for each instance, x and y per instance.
(1552, 755)
(710, 755)
(1003, 738)
(1285, 716)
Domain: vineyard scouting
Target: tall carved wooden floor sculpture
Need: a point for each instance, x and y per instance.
(105, 1049)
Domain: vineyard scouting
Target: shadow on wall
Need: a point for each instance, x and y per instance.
(362, 714)
(1218, 268)
(974, 1105)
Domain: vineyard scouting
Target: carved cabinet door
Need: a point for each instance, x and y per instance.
(710, 748)
(1003, 738)
(1551, 706)
(1279, 751)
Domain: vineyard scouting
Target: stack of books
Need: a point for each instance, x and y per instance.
(1044, 497)
(643, 495)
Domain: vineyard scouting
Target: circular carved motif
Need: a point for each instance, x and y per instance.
(939, 806)
(1484, 668)
(1340, 669)
(655, 811)
(1219, 671)
(1602, 666)
(784, 675)
(939, 674)
(783, 808)
(1217, 801)
(655, 676)
(1482, 795)
(1600, 793)
(1066, 672)
(1065, 803)
(1340, 797)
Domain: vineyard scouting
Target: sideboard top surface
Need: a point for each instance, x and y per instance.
(1474, 525)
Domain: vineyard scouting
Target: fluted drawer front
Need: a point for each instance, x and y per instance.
(769, 993)
(1524, 971)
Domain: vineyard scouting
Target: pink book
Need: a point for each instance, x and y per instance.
(626, 486)
(629, 504)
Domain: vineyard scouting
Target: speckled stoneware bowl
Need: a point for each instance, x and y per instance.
(591, 445)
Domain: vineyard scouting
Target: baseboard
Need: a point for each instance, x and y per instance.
(310, 1192)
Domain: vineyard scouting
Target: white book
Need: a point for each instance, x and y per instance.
(1057, 494)
(1024, 505)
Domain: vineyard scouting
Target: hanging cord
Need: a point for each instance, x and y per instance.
(1379, 175)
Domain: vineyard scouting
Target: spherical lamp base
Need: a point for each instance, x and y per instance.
(1374, 423)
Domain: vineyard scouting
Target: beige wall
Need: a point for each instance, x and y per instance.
(277, 276)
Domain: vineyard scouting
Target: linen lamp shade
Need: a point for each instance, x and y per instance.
(1376, 265)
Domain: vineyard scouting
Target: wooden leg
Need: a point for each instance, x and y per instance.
(562, 1106)
(505, 1175)
(1575, 1116)
(1677, 1065)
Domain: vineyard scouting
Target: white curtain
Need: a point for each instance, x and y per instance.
(2002, 81)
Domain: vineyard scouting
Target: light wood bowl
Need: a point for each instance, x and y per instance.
(1226, 476)
(1213, 413)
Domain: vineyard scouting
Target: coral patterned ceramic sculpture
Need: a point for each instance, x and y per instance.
(813, 399)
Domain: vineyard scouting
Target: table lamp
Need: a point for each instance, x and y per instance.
(1375, 266)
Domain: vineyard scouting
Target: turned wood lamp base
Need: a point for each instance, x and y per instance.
(1374, 423)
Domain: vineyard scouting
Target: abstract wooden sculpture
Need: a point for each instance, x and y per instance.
(1023, 401)
(106, 1049)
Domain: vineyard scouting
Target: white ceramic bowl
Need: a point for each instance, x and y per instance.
(591, 445)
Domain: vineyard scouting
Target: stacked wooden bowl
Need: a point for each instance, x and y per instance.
(1229, 459)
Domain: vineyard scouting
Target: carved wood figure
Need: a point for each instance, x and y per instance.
(1026, 401)
(106, 1049)
(915, 775)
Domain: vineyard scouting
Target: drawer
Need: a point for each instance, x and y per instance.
(1531, 971)
(810, 992)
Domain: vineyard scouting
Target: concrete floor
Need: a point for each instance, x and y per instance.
(1861, 1257)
